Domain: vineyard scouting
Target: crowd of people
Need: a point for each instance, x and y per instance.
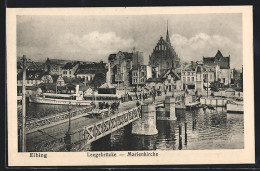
(104, 105)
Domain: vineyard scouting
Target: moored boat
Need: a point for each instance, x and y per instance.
(60, 99)
(235, 106)
(73, 99)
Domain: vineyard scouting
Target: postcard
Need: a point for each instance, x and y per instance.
(130, 86)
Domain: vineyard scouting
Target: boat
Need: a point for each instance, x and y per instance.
(234, 106)
(60, 99)
(73, 99)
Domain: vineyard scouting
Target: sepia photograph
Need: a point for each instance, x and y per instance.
(100, 85)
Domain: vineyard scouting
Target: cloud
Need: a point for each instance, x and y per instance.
(194, 48)
(94, 44)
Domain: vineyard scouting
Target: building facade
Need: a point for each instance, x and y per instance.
(164, 56)
(172, 81)
(69, 69)
(54, 66)
(121, 65)
(89, 70)
(140, 74)
(224, 74)
(198, 77)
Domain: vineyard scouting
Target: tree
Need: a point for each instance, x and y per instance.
(98, 80)
(214, 86)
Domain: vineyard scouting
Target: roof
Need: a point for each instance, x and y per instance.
(111, 57)
(69, 65)
(172, 72)
(107, 85)
(86, 72)
(83, 88)
(32, 75)
(92, 68)
(218, 59)
(57, 61)
(155, 80)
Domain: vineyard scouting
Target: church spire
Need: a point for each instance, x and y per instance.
(167, 34)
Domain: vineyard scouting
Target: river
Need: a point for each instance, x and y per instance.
(210, 129)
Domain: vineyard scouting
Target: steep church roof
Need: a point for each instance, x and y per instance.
(218, 59)
(167, 35)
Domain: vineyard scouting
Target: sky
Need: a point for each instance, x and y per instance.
(93, 38)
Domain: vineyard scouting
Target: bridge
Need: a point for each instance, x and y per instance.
(106, 126)
(51, 130)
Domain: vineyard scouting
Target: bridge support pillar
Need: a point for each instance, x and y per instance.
(169, 109)
(146, 125)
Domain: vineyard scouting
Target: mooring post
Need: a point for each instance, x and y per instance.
(148, 120)
(180, 130)
(185, 125)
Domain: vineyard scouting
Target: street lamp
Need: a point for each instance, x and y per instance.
(69, 133)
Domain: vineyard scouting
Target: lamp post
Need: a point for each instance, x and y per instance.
(23, 137)
(69, 133)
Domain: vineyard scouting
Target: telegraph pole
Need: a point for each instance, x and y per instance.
(23, 144)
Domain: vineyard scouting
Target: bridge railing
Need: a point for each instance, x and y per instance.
(36, 123)
(106, 126)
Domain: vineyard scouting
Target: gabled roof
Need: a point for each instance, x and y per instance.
(171, 72)
(69, 65)
(218, 54)
(218, 59)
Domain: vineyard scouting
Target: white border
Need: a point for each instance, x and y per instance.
(242, 156)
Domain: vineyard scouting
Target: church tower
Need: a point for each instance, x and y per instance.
(167, 35)
(163, 56)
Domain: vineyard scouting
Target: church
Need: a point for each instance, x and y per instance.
(164, 56)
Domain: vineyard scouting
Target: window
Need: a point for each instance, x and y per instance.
(70, 72)
(28, 82)
(192, 78)
(142, 73)
(188, 79)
